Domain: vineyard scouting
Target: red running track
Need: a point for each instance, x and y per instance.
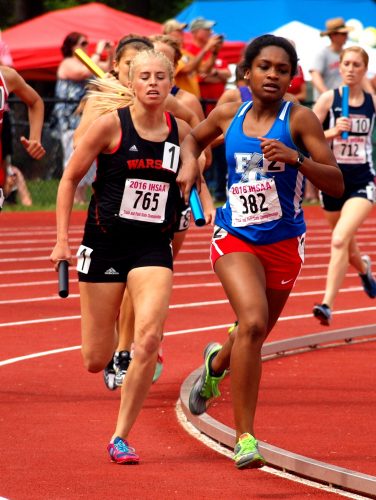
(56, 419)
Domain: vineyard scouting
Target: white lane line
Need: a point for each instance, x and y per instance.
(179, 306)
(34, 355)
(302, 277)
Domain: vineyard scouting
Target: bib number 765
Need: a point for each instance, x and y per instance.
(146, 200)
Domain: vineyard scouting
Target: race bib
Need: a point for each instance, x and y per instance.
(371, 192)
(185, 219)
(144, 200)
(171, 154)
(351, 150)
(254, 202)
(360, 124)
(83, 259)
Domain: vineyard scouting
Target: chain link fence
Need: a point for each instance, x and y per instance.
(42, 176)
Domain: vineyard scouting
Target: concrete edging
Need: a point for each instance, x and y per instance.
(304, 466)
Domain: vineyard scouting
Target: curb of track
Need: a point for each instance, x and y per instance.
(340, 477)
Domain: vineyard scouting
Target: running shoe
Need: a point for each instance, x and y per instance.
(109, 375)
(323, 313)
(232, 327)
(121, 365)
(368, 281)
(247, 455)
(206, 386)
(158, 366)
(121, 453)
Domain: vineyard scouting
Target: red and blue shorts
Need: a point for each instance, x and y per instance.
(282, 261)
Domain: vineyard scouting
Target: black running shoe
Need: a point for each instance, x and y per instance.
(368, 281)
(323, 313)
(121, 365)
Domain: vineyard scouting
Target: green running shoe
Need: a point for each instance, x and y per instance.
(158, 366)
(247, 455)
(232, 327)
(206, 386)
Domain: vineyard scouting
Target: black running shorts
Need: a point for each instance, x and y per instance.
(107, 257)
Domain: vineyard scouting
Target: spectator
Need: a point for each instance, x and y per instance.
(298, 86)
(213, 75)
(213, 71)
(16, 188)
(6, 132)
(186, 76)
(72, 77)
(11, 81)
(325, 69)
(171, 49)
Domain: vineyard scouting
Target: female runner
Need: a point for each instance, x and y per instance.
(258, 242)
(128, 231)
(354, 156)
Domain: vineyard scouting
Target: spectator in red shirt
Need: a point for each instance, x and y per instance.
(298, 86)
(213, 71)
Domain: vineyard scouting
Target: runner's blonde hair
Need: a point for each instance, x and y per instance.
(109, 95)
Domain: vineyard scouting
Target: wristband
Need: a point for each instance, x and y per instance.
(299, 160)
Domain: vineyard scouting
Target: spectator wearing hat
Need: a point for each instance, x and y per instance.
(213, 71)
(325, 69)
(186, 76)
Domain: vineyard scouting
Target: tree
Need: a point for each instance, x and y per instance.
(17, 11)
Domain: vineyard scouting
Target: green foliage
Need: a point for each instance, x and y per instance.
(60, 4)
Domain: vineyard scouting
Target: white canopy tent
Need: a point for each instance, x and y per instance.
(308, 42)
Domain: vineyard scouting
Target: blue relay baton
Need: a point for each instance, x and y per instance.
(345, 107)
(196, 207)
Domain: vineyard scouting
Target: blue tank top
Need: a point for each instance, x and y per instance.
(245, 93)
(264, 201)
(354, 155)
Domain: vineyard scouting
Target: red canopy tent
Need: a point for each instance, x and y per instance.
(35, 44)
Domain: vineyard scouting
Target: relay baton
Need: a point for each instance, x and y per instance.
(345, 107)
(63, 279)
(89, 63)
(197, 212)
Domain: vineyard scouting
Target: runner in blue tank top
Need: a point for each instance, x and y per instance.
(258, 242)
(354, 156)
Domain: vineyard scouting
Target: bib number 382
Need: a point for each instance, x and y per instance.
(144, 200)
(254, 202)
